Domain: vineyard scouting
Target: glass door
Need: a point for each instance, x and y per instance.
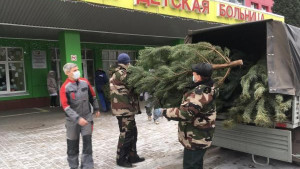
(55, 65)
(3, 78)
(84, 69)
(88, 70)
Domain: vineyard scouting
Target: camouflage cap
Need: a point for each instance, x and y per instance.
(203, 69)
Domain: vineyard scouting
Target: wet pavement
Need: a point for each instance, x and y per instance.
(35, 139)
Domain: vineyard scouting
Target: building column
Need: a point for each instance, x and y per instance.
(70, 50)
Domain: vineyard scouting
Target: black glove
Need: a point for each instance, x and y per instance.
(164, 113)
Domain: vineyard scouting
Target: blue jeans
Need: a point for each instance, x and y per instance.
(102, 101)
(156, 114)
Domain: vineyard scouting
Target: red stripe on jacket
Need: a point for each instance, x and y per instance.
(63, 95)
(62, 92)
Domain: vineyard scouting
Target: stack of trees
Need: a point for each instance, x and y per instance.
(253, 103)
(165, 72)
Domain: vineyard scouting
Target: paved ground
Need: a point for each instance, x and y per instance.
(35, 139)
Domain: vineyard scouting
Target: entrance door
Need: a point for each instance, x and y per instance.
(88, 70)
(55, 65)
(87, 65)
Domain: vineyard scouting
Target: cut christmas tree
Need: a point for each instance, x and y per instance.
(165, 73)
(255, 104)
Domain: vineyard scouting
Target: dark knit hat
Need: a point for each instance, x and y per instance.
(123, 58)
(203, 69)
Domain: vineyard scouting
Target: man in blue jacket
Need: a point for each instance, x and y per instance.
(101, 80)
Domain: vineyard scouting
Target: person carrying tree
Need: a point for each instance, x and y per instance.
(196, 116)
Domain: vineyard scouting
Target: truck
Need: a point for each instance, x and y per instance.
(280, 44)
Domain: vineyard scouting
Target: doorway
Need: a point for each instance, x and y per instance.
(88, 70)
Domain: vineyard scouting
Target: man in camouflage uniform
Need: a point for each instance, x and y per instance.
(124, 104)
(196, 116)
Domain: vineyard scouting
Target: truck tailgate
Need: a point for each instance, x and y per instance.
(266, 142)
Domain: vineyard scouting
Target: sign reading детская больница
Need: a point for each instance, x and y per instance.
(198, 6)
(202, 6)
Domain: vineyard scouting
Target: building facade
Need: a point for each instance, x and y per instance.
(39, 36)
(264, 5)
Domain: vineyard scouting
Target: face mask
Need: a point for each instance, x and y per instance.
(193, 79)
(76, 75)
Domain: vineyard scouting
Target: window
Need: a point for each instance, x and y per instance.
(110, 58)
(87, 58)
(12, 73)
(254, 5)
(264, 8)
(240, 2)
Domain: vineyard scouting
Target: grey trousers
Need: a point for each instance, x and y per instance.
(73, 136)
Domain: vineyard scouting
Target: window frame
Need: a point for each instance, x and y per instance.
(264, 8)
(84, 60)
(253, 4)
(117, 52)
(6, 63)
(58, 70)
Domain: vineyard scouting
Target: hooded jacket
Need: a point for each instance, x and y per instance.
(100, 79)
(51, 83)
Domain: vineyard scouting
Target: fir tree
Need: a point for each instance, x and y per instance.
(165, 72)
(255, 104)
(290, 9)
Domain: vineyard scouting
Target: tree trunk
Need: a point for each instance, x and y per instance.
(226, 65)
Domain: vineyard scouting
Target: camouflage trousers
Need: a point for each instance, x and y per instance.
(127, 138)
(193, 159)
(148, 110)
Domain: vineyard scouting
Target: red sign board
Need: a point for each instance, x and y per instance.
(73, 57)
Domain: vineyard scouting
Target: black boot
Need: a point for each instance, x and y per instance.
(124, 163)
(134, 158)
(122, 160)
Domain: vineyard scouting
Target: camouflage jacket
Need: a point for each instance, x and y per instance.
(196, 116)
(123, 100)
